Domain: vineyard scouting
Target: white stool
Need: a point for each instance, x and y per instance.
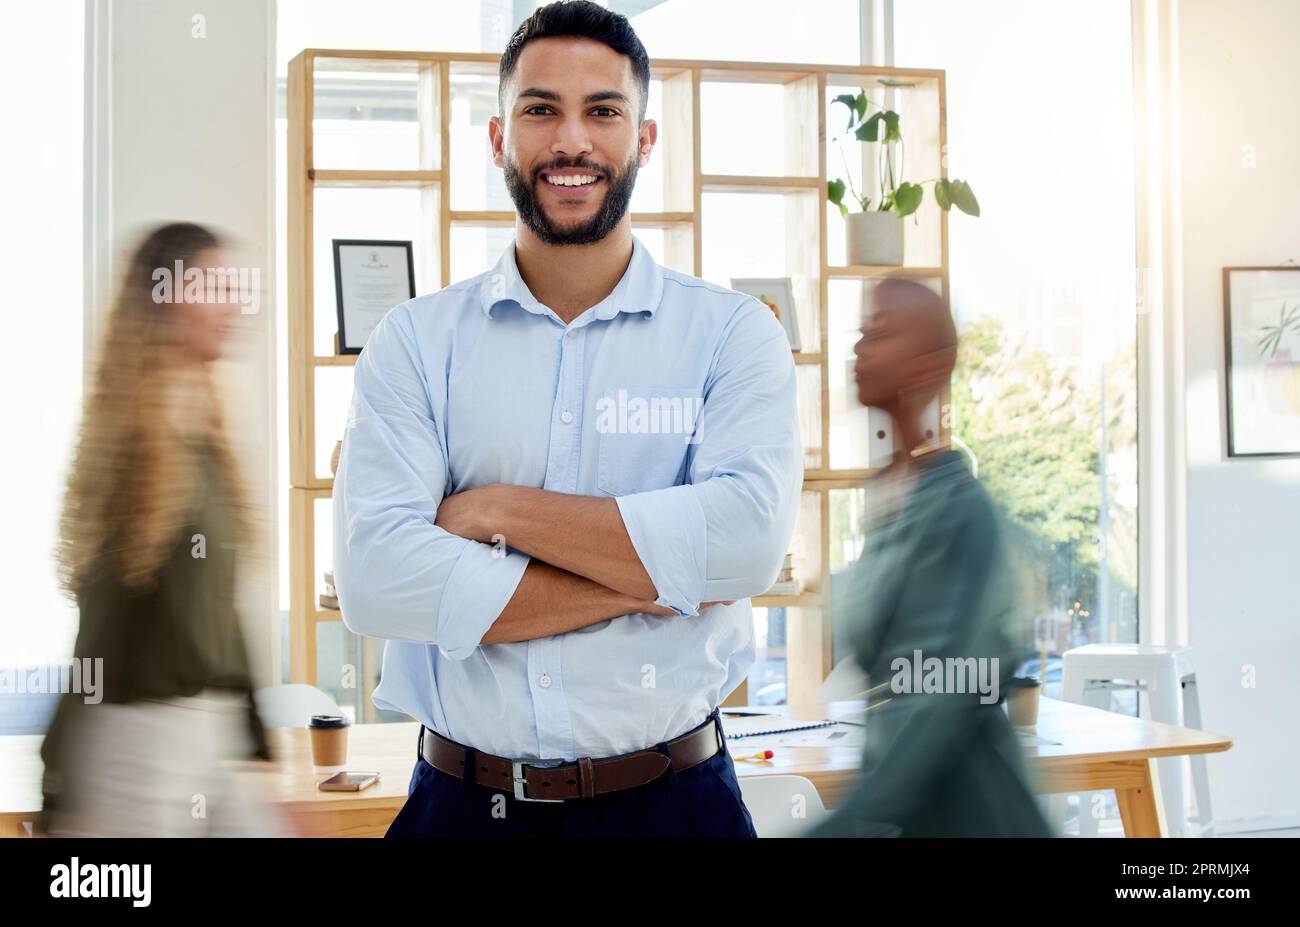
(292, 704)
(1168, 677)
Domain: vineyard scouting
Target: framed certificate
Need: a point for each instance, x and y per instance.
(370, 278)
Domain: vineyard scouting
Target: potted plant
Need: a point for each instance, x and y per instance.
(875, 235)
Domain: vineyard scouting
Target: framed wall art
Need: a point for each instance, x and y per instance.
(1261, 336)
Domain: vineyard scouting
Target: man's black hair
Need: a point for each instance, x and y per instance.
(582, 19)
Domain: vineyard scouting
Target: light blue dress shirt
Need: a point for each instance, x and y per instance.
(674, 395)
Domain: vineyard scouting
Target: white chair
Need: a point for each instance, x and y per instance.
(292, 705)
(782, 806)
(1168, 677)
(847, 682)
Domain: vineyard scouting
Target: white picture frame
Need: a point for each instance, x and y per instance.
(1261, 337)
(774, 292)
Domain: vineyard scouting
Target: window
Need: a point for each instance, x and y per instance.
(45, 367)
(1043, 285)
(1056, 156)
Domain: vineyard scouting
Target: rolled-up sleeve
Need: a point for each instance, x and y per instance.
(398, 575)
(724, 534)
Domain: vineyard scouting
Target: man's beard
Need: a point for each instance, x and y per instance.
(617, 197)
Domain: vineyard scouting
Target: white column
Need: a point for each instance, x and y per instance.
(1162, 454)
(180, 126)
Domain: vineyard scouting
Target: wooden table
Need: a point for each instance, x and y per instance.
(1100, 750)
(1093, 750)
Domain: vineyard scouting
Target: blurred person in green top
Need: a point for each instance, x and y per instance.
(154, 519)
(930, 607)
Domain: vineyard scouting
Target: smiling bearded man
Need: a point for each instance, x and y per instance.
(564, 593)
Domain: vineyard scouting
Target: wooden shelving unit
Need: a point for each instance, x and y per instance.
(431, 80)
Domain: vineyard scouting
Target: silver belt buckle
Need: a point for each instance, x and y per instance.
(517, 774)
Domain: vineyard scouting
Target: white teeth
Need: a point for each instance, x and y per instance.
(571, 180)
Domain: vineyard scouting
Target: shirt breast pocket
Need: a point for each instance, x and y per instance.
(644, 434)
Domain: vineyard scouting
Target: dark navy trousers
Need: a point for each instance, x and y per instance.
(703, 801)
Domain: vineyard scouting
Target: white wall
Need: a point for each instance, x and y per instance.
(180, 127)
(1239, 67)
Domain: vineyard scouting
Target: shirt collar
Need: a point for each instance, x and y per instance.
(638, 290)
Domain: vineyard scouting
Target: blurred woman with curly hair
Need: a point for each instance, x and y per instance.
(154, 519)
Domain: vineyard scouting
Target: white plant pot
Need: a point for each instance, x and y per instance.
(875, 237)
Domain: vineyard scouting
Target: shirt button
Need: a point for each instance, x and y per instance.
(545, 681)
(571, 333)
(566, 416)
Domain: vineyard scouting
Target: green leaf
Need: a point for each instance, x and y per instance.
(869, 131)
(891, 126)
(850, 101)
(941, 194)
(835, 191)
(963, 197)
(907, 198)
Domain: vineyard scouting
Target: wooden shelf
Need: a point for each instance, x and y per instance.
(821, 475)
(321, 488)
(802, 600)
(323, 178)
(756, 72)
(745, 183)
(883, 270)
(661, 219)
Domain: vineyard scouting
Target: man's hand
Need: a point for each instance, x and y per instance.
(471, 514)
(584, 535)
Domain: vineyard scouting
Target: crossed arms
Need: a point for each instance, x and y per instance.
(413, 563)
(584, 568)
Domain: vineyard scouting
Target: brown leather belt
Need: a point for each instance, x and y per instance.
(585, 778)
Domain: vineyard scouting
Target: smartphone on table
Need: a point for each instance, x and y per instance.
(348, 781)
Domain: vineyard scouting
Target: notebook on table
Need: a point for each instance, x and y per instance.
(736, 727)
